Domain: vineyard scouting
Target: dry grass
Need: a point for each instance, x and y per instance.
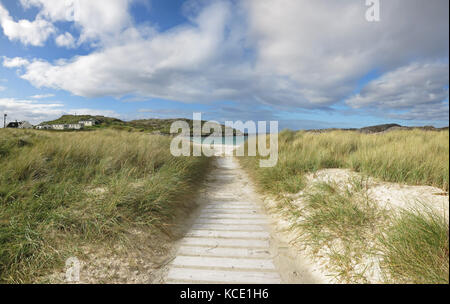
(346, 225)
(413, 157)
(62, 190)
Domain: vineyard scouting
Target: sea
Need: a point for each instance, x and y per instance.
(224, 140)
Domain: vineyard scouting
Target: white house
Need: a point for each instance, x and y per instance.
(43, 127)
(73, 126)
(58, 127)
(77, 126)
(88, 123)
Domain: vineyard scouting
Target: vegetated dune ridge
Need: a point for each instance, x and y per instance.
(356, 225)
(107, 197)
(157, 126)
(381, 129)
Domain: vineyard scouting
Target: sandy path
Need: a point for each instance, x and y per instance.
(232, 240)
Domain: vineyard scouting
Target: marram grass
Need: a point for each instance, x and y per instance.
(58, 189)
(413, 246)
(413, 157)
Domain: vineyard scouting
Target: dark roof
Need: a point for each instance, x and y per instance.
(13, 124)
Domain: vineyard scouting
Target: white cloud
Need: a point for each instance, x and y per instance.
(199, 62)
(33, 33)
(37, 112)
(291, 53)
(325, 47)
(97, 20)
(15, 62)
(32, 111)
(42, 96)
(65, 40)
(2, 88)
(405, 88)
(438, 112)
(166, 65)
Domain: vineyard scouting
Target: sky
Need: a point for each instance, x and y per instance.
(305, 63)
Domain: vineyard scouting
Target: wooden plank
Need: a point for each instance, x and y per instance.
(223, 276)
(224, 252)
(219, 227)
(212, 243)
(223, 262)
(229, 234)
(230, 221)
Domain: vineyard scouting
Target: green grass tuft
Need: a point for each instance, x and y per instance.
(416, 248)
(344, 222)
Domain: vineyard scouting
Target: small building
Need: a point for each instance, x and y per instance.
(70, 126)
(44, 127)
(88, 123)
(58, 127)
(77, 126)
(20, 125)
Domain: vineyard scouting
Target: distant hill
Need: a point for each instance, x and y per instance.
(381, 128)
(161, 126)
(72, 119)
(393, 127)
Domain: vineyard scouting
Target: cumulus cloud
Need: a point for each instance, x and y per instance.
(97, 20)
(199, 62)
(42, 96)
(22, 109)
(65, 40)
(37, 112)
(180, 64)
(327, 46)
(15, 62)
(33, 33)
(2, 88)
(414, 85)
(437, 112)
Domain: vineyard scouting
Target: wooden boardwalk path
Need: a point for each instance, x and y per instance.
(229, 241)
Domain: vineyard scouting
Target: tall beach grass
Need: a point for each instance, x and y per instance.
(415, 248)
(413, 156)
(63, 189)
(345, 224)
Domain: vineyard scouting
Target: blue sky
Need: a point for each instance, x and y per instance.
(307, 64)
